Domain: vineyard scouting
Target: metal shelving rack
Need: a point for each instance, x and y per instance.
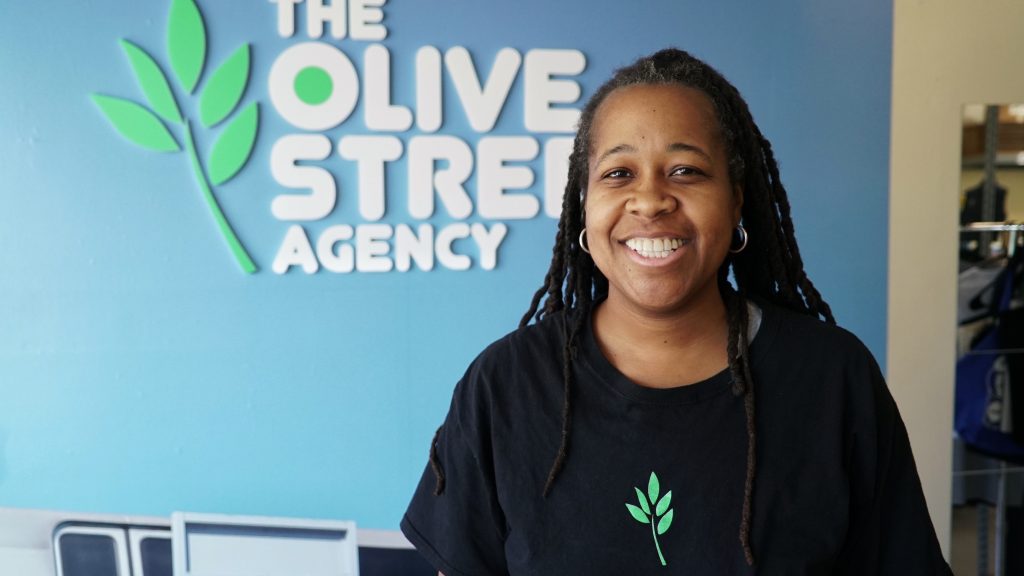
(989, 162)
(1014, 238)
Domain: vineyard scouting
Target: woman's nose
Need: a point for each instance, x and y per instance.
(651, 198)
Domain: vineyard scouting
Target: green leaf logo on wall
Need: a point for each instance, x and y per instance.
(661, 518)
(220, 96)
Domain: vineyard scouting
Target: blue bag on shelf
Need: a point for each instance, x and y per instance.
(986, 387)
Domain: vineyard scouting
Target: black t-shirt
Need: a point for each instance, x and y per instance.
(653, 481)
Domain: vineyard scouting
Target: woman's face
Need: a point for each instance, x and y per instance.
(660, 207)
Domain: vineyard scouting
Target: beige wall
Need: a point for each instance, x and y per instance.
(945, 53)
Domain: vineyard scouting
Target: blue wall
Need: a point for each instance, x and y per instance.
(142, 372)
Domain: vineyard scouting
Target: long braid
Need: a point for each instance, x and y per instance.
(736, 330)
(743, 384)
(746, 519)
(795, 264)
(435, 463)
(748, 408)
(554, 286)
(568, 352)
(578, 296)
(554, 276)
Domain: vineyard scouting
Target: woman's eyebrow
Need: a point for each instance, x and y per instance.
(683, 147)
(615, 150)
(674, 147)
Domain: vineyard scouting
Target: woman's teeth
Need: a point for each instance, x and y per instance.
(654, 247)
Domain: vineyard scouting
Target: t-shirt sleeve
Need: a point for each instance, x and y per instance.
(890, 531)
(461, 530)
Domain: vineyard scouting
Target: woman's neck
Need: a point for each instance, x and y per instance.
(662, 349)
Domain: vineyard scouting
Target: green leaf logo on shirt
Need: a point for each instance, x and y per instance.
(219, 97)
(661, 518)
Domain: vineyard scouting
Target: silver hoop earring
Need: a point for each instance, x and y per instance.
(583, 243)
(743, 240)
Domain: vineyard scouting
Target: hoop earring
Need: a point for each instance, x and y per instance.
(743, 239)
(583, 243)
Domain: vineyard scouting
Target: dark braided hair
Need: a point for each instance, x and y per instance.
(770, 268)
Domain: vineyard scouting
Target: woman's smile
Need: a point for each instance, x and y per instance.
(655, 251)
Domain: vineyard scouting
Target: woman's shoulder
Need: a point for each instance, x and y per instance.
(527, 356)
(519, 373)
(797, 333)
(805, 328)
(534, 342)
(814, 367)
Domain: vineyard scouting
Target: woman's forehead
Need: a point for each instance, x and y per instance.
(656, 110)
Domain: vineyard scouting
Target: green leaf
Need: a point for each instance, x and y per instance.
(186, 43)
(663, 504)
(233, 146)
(638, 514)
(224, 89)
(643, 501)
(153, 82)
(653, 488)
(136, 123)
(665, 522)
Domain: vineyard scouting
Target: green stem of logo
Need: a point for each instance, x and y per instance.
(244, 261)
(657, 546)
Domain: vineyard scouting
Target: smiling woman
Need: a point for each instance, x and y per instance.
(636, 367)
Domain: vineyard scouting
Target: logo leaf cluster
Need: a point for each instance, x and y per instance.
(662, 513)
(219, 98)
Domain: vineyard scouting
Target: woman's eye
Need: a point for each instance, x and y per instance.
(617, 173)
(685, 171)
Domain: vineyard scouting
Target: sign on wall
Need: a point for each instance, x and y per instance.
(315, 86)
